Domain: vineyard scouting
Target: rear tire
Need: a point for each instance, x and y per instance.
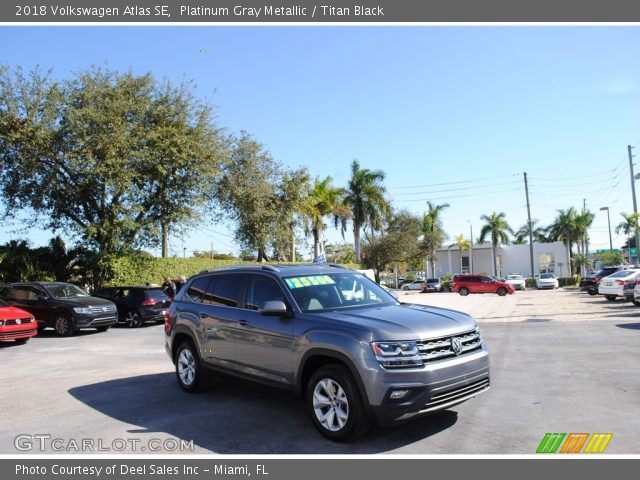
(133, 319)
(335, 404)
(189, 371)
(636, 303)
(463, 291)
(502, 291)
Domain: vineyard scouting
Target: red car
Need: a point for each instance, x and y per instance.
(466, 284)
(16, 324)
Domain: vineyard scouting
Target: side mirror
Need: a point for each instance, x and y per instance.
(274, 308)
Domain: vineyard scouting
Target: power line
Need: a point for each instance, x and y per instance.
(461, 196)
(457, 189)
(475, 180)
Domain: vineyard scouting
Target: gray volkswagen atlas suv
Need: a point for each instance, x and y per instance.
(330, 334)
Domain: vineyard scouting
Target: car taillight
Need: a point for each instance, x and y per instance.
(148, 301)
(619, 282)
(167, 323)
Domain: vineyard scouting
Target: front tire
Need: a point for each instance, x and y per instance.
(611, 298)
(502, 291)
(592, 291)
(63, 325)
(189, 371)
(335, 404)
(463, 291)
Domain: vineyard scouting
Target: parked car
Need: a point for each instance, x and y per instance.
(61, 306)
(415, 285)
(517, 280)
(466, 284)
(613, 286)
(433, 285)
(355, 359)
(16, 324)
(547, 280)
(590, 284)
(137, 305)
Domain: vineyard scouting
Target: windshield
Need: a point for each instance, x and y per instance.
(623, 273)
(547, 275)
(514, 277)
(3, 303)
(336, 291)
(66, 291)
(433, 280)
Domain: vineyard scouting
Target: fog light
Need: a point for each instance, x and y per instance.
(398, 394)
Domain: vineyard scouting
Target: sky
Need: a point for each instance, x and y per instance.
(451, 114)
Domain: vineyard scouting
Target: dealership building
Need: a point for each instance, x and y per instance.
(547, 257)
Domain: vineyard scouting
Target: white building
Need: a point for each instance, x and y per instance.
(547, 257)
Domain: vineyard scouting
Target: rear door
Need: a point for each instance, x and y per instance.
(220, 314)
(265, 342)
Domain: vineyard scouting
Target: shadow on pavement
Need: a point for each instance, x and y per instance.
(629, 326)
(237, 417)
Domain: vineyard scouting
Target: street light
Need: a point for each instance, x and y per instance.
(608, 223)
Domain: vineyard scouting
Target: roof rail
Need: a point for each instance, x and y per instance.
(271, 268)
(338, 266)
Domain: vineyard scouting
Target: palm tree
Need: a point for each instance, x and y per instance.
(433, 235)
(365, 199)
(583, 222)
(323, 200)
(463, 244)
(496, 226)
(565, 228)
(629, 226)
(522, 234)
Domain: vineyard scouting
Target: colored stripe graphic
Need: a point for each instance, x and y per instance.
(598, 442)
(574, 442)
(550, 443)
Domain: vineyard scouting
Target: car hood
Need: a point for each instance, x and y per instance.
(84, 301)
(405, 321)
(10, 313)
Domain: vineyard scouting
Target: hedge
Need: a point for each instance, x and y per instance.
(140, 270)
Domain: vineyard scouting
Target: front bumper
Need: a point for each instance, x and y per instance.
(18, 332)
(89, 321)
(434, 387)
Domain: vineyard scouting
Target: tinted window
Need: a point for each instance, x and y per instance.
(228, 289)
(260, 290)
(198, 288)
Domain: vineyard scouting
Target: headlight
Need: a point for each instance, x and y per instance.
(397, 354)
(82, 310)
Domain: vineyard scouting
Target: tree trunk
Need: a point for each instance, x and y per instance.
(262, 255)
(495, 260)
(356, 241)
(293, 244)
(165, 238)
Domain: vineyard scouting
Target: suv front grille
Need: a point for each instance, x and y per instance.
(442, 348)
(97, 310)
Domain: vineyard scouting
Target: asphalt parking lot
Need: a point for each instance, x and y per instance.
(561, 361)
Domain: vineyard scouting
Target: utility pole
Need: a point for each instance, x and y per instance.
(526, 190)
(635, 205)
(211, 250)
(586, 238)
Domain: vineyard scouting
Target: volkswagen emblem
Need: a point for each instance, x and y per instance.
(18, 322)
(456, 345)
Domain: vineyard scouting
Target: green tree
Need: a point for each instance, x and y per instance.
(610, 258)
(248, 194)
(433, 234)
(324, 200)
(521, 236)
(498, 229)
(628, 226)
(185, 154)
(365, 198)
(566, 228)
(399, 243)
(463, 244)
(86, 154)
(292, 193)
